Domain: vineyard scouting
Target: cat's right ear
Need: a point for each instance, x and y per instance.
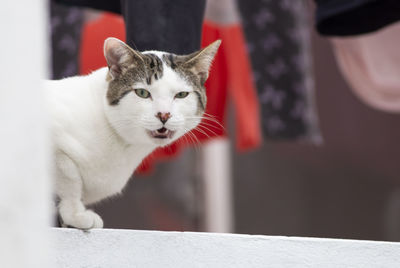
(120, 56)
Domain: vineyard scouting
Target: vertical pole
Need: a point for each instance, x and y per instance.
(218, 209)
(24, 146)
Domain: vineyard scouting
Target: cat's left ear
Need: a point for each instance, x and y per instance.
(200, 61)
(120, 56)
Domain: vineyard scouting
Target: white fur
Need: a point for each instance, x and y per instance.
(97, 146)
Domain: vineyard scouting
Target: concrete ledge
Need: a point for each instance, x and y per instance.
(110, 248)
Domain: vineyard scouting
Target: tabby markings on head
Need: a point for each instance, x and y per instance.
(127, 66)
(154, 66)
(149, 70)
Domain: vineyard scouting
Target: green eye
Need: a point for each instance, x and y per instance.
(143, 93)
(182, 94)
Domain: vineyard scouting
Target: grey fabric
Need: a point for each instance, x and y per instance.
(223, 12)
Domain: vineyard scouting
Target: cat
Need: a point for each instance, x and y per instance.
(105, 123)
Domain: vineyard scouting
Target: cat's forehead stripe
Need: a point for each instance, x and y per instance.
(169, 59)
(154, 66)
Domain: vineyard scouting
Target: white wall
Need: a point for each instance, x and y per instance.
(127, 248)
(24, 188)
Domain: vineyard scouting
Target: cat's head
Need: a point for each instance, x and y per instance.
(155, 97)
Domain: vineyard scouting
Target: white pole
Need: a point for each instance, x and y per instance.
(217, 179)
(24, 147)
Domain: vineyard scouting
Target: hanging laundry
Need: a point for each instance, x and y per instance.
(278, 36)
(172, 26)
(371, 65)
(353, 17)
(232, 72)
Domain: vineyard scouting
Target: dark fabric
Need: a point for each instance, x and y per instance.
(278, 36)
(65, 26)
(105, 5)
(353, 17)
(172, 26)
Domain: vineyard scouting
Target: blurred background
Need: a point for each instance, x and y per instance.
(327, 165)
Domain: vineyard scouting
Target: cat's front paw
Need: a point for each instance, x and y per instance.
(83, 220)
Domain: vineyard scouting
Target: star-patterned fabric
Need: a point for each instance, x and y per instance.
(278, 40)
(65, 26)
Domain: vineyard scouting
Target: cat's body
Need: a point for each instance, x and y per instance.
(105, 123)
(82, 133)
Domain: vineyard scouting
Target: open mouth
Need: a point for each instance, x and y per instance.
(161, 133)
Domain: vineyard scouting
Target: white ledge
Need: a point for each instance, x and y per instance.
(110, 248)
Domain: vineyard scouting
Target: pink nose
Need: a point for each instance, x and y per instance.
(163, 116)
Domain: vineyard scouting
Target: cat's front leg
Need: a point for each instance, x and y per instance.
(72, 211)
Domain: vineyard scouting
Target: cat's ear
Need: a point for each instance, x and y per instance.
(120, 56)
(200, 61)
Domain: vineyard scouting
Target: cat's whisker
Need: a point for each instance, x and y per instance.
(201, 131)
(210, 115)
(186, 140)
(205, 128)
(197, 143)
(133, 43)
(205, 118)
(212, 119)
(194, 139)
(211, 125)
(215, 121)
(194, 136)
(191, 139)
(218, 126)
(175, 125)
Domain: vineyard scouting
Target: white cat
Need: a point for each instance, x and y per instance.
(105, 123)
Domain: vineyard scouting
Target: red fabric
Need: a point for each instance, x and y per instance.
(241, 88)
(92, 40)
(230, 75)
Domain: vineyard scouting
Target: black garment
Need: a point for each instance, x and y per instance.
(172, 26)
(353, 17)
(105, 5)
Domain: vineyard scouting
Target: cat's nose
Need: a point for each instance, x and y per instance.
(163, 117)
